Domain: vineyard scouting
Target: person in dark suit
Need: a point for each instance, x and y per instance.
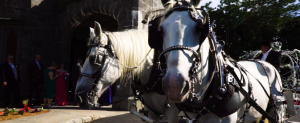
(11, 78)
(35, 74)
(75, 73)
(269, 55)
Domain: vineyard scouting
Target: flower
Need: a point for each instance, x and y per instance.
(22, 111)
(26, 107)
(13, 110)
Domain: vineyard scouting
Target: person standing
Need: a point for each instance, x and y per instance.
(60, 86)
(11, 78)
(269, 55)
(35, 75)
(76, 71)
(50, 79)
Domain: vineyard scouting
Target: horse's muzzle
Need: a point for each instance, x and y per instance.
(177, 89)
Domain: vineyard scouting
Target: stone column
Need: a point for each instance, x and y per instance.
(121, 93)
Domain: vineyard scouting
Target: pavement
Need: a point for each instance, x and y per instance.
(67, 114)
(296, 119)
(74, 114)
(127, 118)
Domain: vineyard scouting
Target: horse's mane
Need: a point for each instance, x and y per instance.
(131, 47)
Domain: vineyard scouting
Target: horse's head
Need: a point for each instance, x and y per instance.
(99, 69)
(182, 36)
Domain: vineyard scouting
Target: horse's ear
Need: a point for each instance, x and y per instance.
(205, 28)
(92, 33)
(166, 3)
(98, 30)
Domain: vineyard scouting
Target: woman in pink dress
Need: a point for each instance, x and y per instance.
(60, 86)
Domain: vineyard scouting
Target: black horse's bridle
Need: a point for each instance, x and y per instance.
(197, 17)
(97, 59)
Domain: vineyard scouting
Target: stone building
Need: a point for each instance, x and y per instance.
(58, 29)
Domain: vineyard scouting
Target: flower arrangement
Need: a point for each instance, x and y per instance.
(22, 111)
(6, 112)
(26, 107)
(36, 110)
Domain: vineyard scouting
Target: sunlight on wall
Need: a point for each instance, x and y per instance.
(36, 2)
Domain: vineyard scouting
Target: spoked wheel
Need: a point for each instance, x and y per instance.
(289, 69)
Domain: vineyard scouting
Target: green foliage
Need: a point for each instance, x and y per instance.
(243, 24)
(13, 110)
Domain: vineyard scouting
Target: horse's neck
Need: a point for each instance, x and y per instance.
(131, 47)
(146, 73)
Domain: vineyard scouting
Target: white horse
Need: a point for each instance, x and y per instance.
(178, 28)
(109, 53)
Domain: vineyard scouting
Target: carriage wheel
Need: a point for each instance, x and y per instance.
(287, 70)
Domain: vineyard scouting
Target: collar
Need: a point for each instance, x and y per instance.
(36, 61)
(10, 63)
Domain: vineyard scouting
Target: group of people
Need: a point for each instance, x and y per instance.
(51, 79)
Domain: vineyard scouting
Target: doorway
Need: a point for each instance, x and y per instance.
(8, 42)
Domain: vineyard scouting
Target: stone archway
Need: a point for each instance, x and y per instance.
(81, 34)
(127, 13)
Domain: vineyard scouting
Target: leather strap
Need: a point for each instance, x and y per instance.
(250, 100)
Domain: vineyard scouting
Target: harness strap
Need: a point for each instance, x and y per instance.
(139, 97)
(200, 113)
(271, 100)
(264, 67)
(250, 100)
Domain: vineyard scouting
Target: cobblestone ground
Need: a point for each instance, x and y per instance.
(126, 118)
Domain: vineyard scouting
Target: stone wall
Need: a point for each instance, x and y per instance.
(37, 33)
(45, 27)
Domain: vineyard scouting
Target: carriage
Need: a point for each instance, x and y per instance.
(289, 69)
